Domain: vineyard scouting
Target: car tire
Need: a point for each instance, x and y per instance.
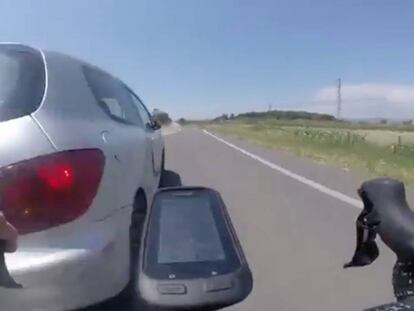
(162, 172)
(135, 231)
(163, 161)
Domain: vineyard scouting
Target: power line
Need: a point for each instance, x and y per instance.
(339, 99)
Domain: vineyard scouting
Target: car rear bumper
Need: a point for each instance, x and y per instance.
(92, 270)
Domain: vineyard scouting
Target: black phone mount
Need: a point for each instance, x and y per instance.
(387, 214)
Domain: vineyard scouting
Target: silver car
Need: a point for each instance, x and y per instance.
(80, 160)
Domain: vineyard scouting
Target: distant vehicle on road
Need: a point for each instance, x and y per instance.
(80, 160)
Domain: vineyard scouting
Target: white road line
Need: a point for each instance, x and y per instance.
(313, 184)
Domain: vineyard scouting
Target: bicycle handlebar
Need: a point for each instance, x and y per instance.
(5, 279)
(387, 214)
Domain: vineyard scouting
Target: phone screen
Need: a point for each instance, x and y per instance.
(187, 235)
(188, 232)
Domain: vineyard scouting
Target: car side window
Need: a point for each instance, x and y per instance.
(142, 110)
(112, 97)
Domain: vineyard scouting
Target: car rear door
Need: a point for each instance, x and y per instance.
(153, 133)
(125, 133)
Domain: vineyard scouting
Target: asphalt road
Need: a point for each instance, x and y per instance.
(296, 236)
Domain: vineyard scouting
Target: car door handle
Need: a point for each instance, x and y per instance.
(105, 135)
(106, 138)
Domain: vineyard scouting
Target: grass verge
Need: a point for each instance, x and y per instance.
(354, 154)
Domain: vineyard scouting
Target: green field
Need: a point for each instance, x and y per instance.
(375, 150)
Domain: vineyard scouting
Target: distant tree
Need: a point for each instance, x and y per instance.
(288, 115)
(408, 122)
(182, 121)
(383, 121)
(232, 116)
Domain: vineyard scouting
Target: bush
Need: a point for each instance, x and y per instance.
(330, 136)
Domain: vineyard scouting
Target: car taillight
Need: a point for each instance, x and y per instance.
(50, 190)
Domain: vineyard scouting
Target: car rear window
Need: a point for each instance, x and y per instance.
(22, 81)
(112, 96)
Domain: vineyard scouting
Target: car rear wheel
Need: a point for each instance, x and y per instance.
(137, 223)
(162, 173)
(163, 161)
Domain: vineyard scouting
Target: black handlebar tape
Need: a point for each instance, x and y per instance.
(5, 278)
(394, 306)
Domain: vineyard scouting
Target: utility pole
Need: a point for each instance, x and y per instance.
(269, 107)
(339, 99)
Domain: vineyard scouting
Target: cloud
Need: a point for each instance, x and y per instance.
(397, 94)
(367, 100)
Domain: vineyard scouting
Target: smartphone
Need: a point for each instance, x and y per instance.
(191, 256)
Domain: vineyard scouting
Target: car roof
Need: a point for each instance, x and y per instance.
(56, 56)
(20, 46)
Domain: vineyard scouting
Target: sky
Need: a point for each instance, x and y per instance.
(202, 58)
